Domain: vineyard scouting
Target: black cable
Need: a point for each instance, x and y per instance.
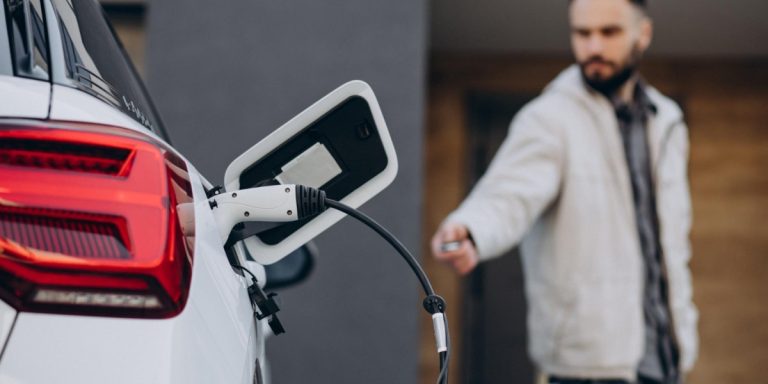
(433, 303)
(311, 201)
(442, 376)
(244, 269)
(365, 219)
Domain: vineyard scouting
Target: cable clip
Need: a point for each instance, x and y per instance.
(214, 191)
(434, 304)
(268, 307)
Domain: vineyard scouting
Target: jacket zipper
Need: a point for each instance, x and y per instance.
(662, 151)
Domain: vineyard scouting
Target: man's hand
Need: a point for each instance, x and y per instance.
(464, 257)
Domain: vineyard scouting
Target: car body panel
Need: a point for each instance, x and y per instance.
(7, 319)
(214, 339)
(24, 98)
(70, 104)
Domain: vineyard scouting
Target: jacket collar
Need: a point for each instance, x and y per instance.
(641, 100)
(668, 115)
(569, 81)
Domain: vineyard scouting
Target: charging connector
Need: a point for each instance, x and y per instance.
(273, 203)
(284, 203)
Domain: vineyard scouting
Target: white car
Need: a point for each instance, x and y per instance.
(114, 267)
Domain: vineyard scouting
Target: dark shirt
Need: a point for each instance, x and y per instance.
(660, 358)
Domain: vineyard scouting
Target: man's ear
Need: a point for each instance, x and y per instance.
(646, 33)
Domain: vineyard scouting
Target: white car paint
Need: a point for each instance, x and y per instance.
(24, 98)
(7, 318)
(69, 104)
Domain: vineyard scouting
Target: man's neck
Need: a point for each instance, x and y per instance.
(627, 91)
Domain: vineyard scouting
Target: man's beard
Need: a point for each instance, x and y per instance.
(609, 86)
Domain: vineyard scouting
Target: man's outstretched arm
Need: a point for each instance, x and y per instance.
(522, 180)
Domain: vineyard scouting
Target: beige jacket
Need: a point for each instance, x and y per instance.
(559, 186)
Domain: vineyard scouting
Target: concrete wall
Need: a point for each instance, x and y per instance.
(226, 73)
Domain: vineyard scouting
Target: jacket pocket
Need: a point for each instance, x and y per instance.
(603, 329)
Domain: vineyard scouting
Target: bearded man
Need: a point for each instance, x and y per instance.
(592, 183)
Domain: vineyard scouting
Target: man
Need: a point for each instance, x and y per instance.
(592, 183)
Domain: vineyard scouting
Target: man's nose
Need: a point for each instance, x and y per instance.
(595, 45)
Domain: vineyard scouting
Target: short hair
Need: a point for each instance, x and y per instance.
(642, 5)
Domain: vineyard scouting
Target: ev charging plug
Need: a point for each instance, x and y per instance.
(276, 203)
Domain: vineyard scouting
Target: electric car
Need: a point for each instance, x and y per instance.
(114, 267)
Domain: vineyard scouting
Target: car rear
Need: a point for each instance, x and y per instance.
(110, 271)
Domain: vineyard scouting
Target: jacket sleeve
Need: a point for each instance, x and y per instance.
(678, 248)
(522, 180)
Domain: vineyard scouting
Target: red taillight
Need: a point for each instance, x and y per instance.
(88, 222)
(59, 155)
(76, 234)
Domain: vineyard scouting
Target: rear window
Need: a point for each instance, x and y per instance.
(96, 63)
(25, 39)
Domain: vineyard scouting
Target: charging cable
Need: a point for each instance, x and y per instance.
(311, 201)
(277, 203)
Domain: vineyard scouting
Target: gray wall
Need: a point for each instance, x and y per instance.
(226, 73)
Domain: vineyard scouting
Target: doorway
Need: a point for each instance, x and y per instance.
(494, 328)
